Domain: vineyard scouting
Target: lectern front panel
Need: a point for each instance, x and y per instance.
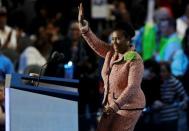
(35, 112)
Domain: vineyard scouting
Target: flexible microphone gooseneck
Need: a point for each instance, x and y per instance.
(55, 57)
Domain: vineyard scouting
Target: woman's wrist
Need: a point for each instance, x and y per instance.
(84, 27)
(85, 32)
(108, 110)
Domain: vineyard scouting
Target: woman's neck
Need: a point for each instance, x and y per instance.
(126, 50)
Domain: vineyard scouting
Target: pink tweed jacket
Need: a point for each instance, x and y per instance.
(122, 79)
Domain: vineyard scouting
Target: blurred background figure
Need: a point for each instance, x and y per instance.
(183, 22)
(7, 41)
(172, 51)
(173, 99)
(185, 45)
(7, 34)
(71, 46)
(120, 11)
(184, 79)
(31, 55)
(6, 66)
(148, 39)
(84, 68)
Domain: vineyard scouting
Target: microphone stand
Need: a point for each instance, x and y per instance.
(40, 73)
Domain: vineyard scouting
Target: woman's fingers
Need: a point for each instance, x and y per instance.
(80, 15)
(81, 9)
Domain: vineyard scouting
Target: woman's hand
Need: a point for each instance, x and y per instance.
(81, 14)
(83, 24)
(107, 111)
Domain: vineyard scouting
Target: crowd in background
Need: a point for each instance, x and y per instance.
(32, 30)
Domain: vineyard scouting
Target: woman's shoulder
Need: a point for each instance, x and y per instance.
(132, 56)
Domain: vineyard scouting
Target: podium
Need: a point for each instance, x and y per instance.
(50, 106)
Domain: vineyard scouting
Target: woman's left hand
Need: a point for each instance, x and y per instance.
(108, 110)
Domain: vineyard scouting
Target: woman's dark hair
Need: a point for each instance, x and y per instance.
(127, 28)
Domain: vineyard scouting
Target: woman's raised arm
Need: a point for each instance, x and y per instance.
(99, 46)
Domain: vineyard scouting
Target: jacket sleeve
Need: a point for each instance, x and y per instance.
(135, 75)
(99, 46)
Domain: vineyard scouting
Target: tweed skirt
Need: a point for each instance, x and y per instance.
(117, 122)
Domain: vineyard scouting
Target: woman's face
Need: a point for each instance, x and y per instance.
(120, 43)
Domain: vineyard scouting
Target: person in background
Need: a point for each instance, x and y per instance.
(7, 34)
(185, 77)
(8, 37)
(121, 12)
(84, 69)
(172, 51)
(145, 38)
(32, 54)
(148, 39)
(6, 66)
(183, 23)
(185, 44)
(70, 46)
(122, 74)
(39, 20)
(168, 29)
(173, 98)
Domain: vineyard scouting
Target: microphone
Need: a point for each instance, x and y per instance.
(55, 57)
(58, 57)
